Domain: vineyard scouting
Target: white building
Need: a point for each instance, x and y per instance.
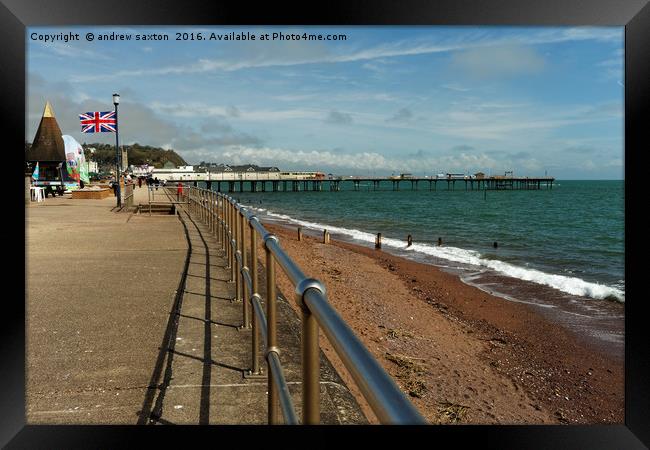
(141, 171)
(92, 166)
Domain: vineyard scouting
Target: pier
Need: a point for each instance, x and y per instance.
(497, 183)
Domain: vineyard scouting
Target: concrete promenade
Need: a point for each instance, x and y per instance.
(129, 320)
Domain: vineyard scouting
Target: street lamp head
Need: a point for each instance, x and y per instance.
(116, 99)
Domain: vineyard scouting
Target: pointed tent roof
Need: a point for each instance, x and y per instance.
(48, 143)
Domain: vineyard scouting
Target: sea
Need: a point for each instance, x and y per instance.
(561, 250)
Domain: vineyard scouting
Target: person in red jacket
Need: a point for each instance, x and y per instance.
(179, 191)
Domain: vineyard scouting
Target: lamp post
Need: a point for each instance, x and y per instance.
(116, 101)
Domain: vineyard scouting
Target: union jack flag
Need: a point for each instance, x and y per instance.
(98, 122)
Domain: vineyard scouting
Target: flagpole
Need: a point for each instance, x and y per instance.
(116, 101)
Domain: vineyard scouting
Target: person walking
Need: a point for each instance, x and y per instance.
(179, 191)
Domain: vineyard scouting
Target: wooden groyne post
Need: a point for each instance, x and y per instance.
(326, 237)
(300, 233)
(378, 241)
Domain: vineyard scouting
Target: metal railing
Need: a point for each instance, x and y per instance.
(231, 222)
(168, 193)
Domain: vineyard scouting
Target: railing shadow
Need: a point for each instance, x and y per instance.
(149, 412)
(214, 322)
(204, 408)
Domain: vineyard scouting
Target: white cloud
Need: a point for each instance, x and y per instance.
(196, 109)
(278, 54)
(455, 87)
(498, 61)
(66, 50)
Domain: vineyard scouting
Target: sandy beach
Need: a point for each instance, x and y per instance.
(461, 355)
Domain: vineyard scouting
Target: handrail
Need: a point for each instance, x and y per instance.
(166, 191)
(230, 220)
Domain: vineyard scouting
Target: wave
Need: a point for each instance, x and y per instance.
(568, 284)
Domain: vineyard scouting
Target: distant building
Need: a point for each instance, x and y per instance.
(48, 150)
(170, 172)
(268, 169)
(47, 146)
(245, 168)
(455, 176)
(57, 170)
(479, 175)
(142, 170)
(92, 166)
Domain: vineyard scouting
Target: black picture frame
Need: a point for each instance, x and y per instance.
(16, 15)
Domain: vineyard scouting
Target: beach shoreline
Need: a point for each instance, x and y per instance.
(463, 355)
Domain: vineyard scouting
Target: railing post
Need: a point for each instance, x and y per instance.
(227, 217)
(238, 276)
(271, 332)
(255, 366)
(220, 216)
(244, 288)
(310, 368)
(215, 228)
(231, 215)
(230, 229)
(211, 211)
(225, 228)
(208, 210)
(223, 221)
(214, 212)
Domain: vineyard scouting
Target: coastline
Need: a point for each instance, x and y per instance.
(464, 355)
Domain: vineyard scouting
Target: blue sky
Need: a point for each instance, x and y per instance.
(386, 100)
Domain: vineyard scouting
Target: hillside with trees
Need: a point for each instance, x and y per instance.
(138, 154)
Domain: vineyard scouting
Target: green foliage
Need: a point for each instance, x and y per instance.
(137, 154)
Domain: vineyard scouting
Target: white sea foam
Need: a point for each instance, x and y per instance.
(570, 285)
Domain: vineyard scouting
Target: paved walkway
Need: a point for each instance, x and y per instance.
(130, 320)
